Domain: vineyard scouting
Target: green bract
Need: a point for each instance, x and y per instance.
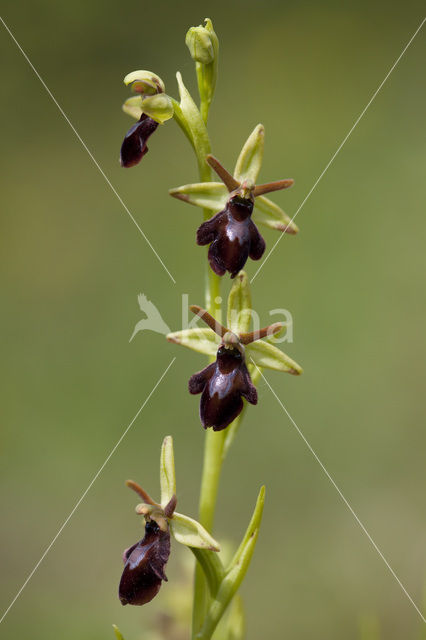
(234, 573)
(214, 195)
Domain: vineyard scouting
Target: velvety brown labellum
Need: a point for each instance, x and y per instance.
(134, 144)
(223, 384)
(233, 237)
(144, 564)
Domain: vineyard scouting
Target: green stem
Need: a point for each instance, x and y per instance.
(193, 124)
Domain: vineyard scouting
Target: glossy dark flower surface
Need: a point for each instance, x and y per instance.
(223, 385)
(134, 144)
(233, 237)
(144, 564)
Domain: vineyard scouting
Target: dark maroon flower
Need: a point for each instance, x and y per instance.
(223, 385)
(144, 564)
(134, 144)
(233, 237)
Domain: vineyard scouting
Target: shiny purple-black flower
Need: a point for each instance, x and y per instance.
(144, 564)
(233, 237)
(223, 385)
(134, 144)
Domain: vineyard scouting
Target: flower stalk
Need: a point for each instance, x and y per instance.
(231, 211)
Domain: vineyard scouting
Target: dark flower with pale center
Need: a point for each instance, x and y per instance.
(134, 144)
(233, 237)
(224, 383)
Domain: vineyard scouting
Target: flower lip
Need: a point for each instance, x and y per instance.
(144, 566)
(134, 145)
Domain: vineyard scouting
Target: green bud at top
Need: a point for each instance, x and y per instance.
(144, 82)
(199, 42)
(203, 46)
(158, 107)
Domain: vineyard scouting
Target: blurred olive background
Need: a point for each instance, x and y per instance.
(72, 264)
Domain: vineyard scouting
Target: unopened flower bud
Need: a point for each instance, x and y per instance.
(200, 45)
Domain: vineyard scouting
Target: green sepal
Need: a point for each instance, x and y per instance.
(158, 107)
(208, 195)
(250, 159)
(191, 533)
(203, 340)
(271, 215)
(133, 107)
(265, 355)
(144, 82)
(239, 305)
(167, 471)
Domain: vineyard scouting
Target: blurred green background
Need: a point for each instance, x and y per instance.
(72, 264)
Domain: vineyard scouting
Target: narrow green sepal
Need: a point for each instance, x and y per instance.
(271, 215)
(191, 533)
(202, 340)
(250, 159)
(265, 355)
(167, 471)
(208, 195)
